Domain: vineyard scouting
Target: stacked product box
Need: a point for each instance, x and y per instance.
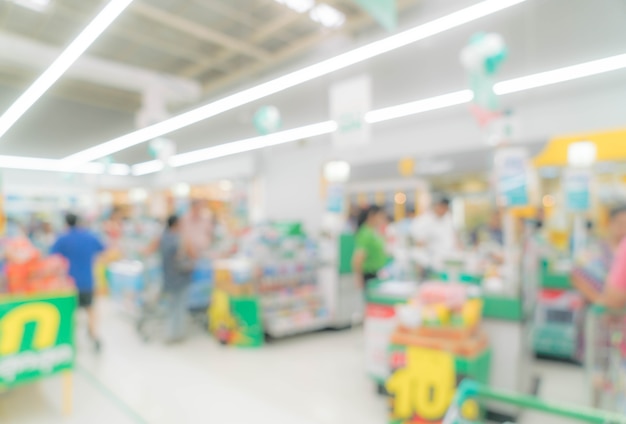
(437, 344)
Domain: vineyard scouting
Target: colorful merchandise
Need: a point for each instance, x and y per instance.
(235, 313)
(437, 344)
(235, 321)
(27, 272)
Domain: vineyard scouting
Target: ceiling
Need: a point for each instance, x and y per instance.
(214, 42)
(193, 39)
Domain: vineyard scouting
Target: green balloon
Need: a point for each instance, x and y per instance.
(267, 120)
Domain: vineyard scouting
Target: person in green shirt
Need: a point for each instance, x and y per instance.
(369, 253)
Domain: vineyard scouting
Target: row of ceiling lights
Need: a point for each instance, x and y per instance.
(322, 13)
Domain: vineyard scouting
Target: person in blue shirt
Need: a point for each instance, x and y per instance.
(81, 248)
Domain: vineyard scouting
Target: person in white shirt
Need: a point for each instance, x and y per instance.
(434, 235)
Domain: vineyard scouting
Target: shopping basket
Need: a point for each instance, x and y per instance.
(464, 408)
(605, 358)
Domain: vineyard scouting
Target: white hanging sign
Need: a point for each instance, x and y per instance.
(350, 100)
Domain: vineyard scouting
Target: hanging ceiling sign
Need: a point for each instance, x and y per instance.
(350, 100)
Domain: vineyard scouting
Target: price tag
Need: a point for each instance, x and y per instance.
(425, 386)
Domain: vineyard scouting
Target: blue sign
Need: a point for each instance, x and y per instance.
(577, 190)
(512, 177)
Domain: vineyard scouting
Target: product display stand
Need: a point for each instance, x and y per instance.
(30, 353)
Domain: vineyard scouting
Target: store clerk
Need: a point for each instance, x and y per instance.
(369, 254)
(434, 234)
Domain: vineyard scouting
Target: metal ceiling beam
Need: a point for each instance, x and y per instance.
(27, 54)
(296, 49)
(217, 62)
(174, 50)
(197, 30)
(227, 11)
(78, 91)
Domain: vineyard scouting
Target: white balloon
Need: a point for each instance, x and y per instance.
(470, 59)
(492, 44)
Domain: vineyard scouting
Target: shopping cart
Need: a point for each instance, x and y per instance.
(465, 407)
(605, 358)
(136, 288)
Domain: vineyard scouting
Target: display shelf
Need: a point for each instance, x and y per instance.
(285, 326)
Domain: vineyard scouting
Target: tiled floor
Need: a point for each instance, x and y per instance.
(313, 379)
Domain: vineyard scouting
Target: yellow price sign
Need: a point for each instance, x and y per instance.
(425, 386)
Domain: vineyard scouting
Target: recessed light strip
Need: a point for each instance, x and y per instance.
(556, 76)
(241, 146)
(419, 106)
(514, 85)
(420, 32)
(456, 98)
(96, 27)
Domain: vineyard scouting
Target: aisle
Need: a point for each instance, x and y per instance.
(315, 379)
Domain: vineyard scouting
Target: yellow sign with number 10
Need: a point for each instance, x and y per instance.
(425, 386)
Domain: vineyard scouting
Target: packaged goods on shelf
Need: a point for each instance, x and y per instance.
(28, 272)
(235, 313)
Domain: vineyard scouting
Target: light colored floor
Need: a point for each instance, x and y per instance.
(313, 379)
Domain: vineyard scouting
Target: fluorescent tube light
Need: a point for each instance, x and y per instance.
(327, 16)
(120, 169)
(62, 63)
(254, 143)
(54, 165)
(419, 106)
(420, 32)
(561, 75)
(148, 167)
(399, 111)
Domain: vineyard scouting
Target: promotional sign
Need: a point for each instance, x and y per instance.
(349, 102)
(512, 176)
(36, 337)
(577, 184)
(335, 199)
(424, 381)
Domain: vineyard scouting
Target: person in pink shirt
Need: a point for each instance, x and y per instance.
(614, 295)
(197, 228)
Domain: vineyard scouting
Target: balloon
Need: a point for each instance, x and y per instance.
(482, 58)
(162, 149)
(267, 120)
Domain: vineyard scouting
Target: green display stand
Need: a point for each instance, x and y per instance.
(236, 321)
(423, 392)
(347, 244)
(36, 337)
(503, 308)
(551, 280)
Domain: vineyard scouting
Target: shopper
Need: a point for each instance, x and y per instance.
(81, 248)
(369, 255)
(434, 235)
(178, 261)
(197, 228)
(114, 229)
(592, 264)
